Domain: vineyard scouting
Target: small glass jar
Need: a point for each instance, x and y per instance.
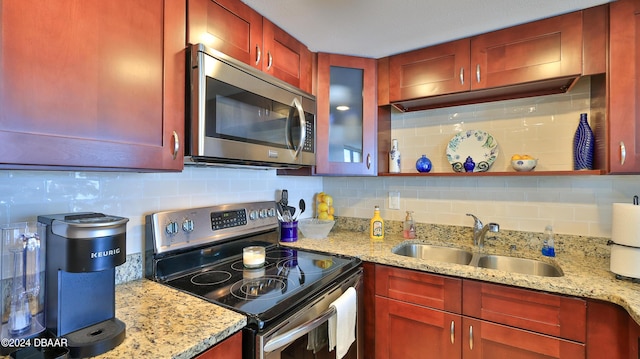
(253, 257)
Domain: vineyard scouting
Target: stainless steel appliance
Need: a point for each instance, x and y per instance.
(199, 251)
(241, 116)
(83, 250)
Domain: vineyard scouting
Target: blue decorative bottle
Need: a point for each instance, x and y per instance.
(469, 165)
(583, 145)
(423, 164)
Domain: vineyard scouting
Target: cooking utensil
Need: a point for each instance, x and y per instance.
(635, 200)
(302, 206)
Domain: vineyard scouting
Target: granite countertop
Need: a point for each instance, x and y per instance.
(165, 323)
(583, 261)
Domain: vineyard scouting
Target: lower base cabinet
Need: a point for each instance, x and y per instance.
(230, 348)
(407, 327)
(409, 331)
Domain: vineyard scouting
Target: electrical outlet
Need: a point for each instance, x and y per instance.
(394, 200)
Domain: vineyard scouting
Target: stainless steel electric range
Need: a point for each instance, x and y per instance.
(286, 300)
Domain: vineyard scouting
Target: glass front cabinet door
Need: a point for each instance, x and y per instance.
(346, 116)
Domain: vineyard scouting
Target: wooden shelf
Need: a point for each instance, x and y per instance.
(484, 174)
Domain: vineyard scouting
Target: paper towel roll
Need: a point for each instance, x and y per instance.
(625, 261)
(625, 227)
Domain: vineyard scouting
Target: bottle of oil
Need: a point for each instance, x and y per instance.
(376, 229)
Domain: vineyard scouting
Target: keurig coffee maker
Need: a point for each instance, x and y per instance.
(83, 250)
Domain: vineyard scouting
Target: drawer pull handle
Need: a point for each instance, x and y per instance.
(623, 153)
(471, 337)
(270, 62)
(453, 332)
(462, 76)
(368, 161)
(478, 73)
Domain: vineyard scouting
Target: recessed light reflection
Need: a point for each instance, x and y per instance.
(342, 108)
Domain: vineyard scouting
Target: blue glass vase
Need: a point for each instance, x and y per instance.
(583, 145)
(423, 164)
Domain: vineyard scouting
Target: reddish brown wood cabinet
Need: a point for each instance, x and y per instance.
(435, 70)
(536, 58)
(96, 84)
(421, 315)
(624, 87)
(232, 27)
(334, 137)
(230, 348)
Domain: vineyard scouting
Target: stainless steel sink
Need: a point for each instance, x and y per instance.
(434, 253)
(461, 256)
(519, 265)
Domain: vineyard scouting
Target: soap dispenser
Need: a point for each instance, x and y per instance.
(548, 245)
(409, 228)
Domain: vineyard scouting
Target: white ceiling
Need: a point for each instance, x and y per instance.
(378, 28)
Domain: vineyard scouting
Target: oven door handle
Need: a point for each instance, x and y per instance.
(284, 339)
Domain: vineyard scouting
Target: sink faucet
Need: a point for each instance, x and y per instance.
(480, 231)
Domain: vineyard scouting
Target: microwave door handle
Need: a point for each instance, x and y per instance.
(288, 337)
(303, 126)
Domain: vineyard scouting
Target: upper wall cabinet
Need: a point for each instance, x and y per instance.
(92, 84)
(346, 116)
(624, 87)
(536, 58)
(235, 29)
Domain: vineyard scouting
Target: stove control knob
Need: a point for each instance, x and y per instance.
(253, 215)
(271, 212)
(263, 213)
(171, 228)
(187, 225)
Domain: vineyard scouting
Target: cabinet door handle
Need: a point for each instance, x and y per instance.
(623, 153)
(176, 144)
(471, 337)
(453, 332)
(270, 62)
(462, 76)
(258, 54)
(478, 73)
(368, 161)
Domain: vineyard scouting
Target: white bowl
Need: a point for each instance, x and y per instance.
(315, 228)
(524, 165)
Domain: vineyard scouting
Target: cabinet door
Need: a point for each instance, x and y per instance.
(550, 314)
(608, 334)
(228, 26)
(481, 339)
(435, 70)
(83, 84)
(410, 331)
(230, 348)
(285, 57)
(545, 49)
(346, 139)
(624, 87)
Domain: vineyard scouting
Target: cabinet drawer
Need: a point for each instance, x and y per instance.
(545, 313)
(415, 287)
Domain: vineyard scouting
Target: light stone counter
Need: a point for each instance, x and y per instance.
(165, 323)
(584, 261)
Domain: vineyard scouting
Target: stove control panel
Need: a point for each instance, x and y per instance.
(180, 229)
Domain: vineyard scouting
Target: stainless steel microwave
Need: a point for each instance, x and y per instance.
(240, 116)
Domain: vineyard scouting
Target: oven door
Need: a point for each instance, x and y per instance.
(238, 113)
(290, 339)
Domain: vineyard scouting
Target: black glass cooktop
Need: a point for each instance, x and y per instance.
(288, 277)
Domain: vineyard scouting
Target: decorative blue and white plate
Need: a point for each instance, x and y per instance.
(472, 151)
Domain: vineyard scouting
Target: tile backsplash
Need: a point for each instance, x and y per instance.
(26, 194)
(542, 127)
